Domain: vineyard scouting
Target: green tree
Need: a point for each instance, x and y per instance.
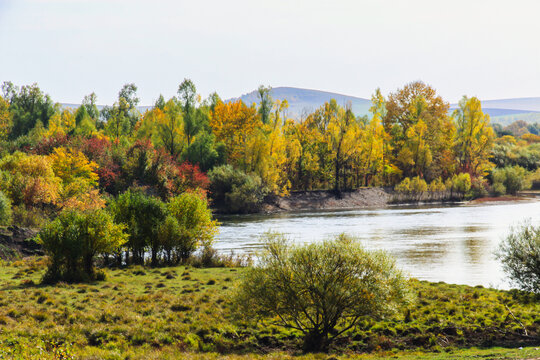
(142, 215)
(194, 219)
(29, 107)
(322, 289)
(73, 240)
(187, 93)
(89, 102)
(265, 103)
(509, 180)
(234, 191)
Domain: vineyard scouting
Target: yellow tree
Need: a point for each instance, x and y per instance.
(233, 124)
(405, 108)
(474, 137)
(164, 127)
(268, 153)
(301, 144)
(29, 179)
(341, 134)
(78, 177)
(61, 123)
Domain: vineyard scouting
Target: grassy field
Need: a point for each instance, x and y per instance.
(185, 312)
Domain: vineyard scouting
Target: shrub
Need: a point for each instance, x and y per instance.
(520, 257)
(461, 183)
(73, 240)
(234, 191)
(404, 186)
(195, 225)
(321, 289)
(5, 209)
(511, 179)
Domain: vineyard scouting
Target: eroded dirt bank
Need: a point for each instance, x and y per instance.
(327, 200)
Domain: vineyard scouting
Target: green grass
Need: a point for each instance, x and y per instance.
(185, 312)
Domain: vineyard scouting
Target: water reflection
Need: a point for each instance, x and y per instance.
(447, 243)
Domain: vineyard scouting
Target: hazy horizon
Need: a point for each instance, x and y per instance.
(74, 47)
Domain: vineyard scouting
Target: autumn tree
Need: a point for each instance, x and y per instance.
(29, 180)
(341, 133)
(474, 137)
(422, 149)
(233, 123)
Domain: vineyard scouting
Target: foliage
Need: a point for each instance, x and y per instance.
(235, 191)
(509, 180)
(29, 108)
(29, 179)
(321, 289)
(520, 256)
(474, 137)
(141, 215)
(73, 240)
(194, 225)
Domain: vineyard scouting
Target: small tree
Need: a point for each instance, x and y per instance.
(321, 289)
(520, 257)
(194, 223)
(142, 215)
(73, 240)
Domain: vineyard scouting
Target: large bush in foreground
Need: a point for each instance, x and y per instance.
(520, 257)
(73, 240)
(321, 289)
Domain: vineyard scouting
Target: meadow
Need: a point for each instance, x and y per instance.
(187, 312)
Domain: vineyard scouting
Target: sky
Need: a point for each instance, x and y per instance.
(489, 49)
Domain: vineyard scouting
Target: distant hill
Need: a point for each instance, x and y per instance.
(502, 111)
(301, 100)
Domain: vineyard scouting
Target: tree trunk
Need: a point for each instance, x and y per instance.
(316, 341)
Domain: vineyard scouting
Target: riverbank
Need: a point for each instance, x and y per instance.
(179, 312)
(353, 199)
(371, 198)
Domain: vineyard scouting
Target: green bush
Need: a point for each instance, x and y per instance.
(5, 210)
(234, 191)
(74, 239)
(142, 216)
(520, 256)
(509, 180)
(321, 289)
(194, 225)
(461, 183)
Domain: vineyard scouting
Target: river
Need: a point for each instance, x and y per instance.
(450, 243)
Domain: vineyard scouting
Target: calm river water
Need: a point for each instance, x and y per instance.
(450, 243)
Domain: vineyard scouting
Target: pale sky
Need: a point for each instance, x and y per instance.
(489, 49)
